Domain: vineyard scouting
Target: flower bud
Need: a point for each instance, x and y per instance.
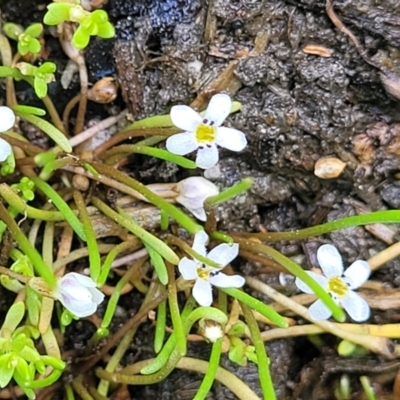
(193, 192)
(210, 330)
(103, 91)
(78, 294)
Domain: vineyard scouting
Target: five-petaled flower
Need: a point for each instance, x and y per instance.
(205, 133)
(204, 275)
(7, 120)
(78, 294)
(339, 285)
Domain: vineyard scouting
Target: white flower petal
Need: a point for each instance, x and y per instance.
(185, 118)
(78, 293)
(330, 260)
(82, 279)
(199, 213)
(230, 139)
(218, 109)
(78, 304)
(207, 156)
(193, 191)
(5, 150)
(7, 118)
(317, 277)
(199, 243)
(181, 143)
(224, 253)
(319, 311)
(188, 269)
(356, 307)
(202, 292)
(357, 274)
(97, 296)
(227, 281)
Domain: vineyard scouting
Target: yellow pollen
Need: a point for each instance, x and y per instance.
(338, 286)
(205, 133)
(203, 273)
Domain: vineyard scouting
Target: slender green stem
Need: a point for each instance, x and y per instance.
(94, 255)
(80, 389)
(297, 271)
(158, 263)
(168, 348)
(48, 241)
(127, 222)
(385, 217)
(174, 312)
(19, 205)
(126, 149)
(80, 253)
(227, 194)
(209, 377)
(262, 358)
(55, 134)
(125, 338)
(62, 206)
(187, 249)
(257, 305)
(159, 202)
(23, 243)
(105, 270)
(159, 334)
(202, 312)
(54, 165)
(53, 113)
(231, 381)
(49, 380)
(368, 389)
(113, 302)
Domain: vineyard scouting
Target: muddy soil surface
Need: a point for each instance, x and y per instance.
(307, 93)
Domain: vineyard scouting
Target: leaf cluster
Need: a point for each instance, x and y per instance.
(90, 23)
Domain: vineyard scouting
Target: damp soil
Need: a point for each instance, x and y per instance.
(308, 91)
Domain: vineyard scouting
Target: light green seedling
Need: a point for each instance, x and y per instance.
(90, 23)
(19, 358)
(27, 39)
(41, 75)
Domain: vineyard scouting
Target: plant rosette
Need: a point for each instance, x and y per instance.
(204, 134)
(205, 276)
(338, 284)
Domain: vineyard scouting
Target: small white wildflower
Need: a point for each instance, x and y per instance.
(78, 294)
(205, 133)
(338, 284)
(193, 192)
(7, 120)
(204, 275)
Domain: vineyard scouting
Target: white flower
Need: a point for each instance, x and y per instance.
(193, 192)
(205, 133)
(7, 120)
(339, 285)
(78, 294)
(204, 275)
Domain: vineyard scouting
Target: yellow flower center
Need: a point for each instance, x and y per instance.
(203, 273)
(205, 133)
(338, 286)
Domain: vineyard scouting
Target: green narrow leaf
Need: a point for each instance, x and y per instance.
(58, 137)
(57, 13)
(40, 87)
